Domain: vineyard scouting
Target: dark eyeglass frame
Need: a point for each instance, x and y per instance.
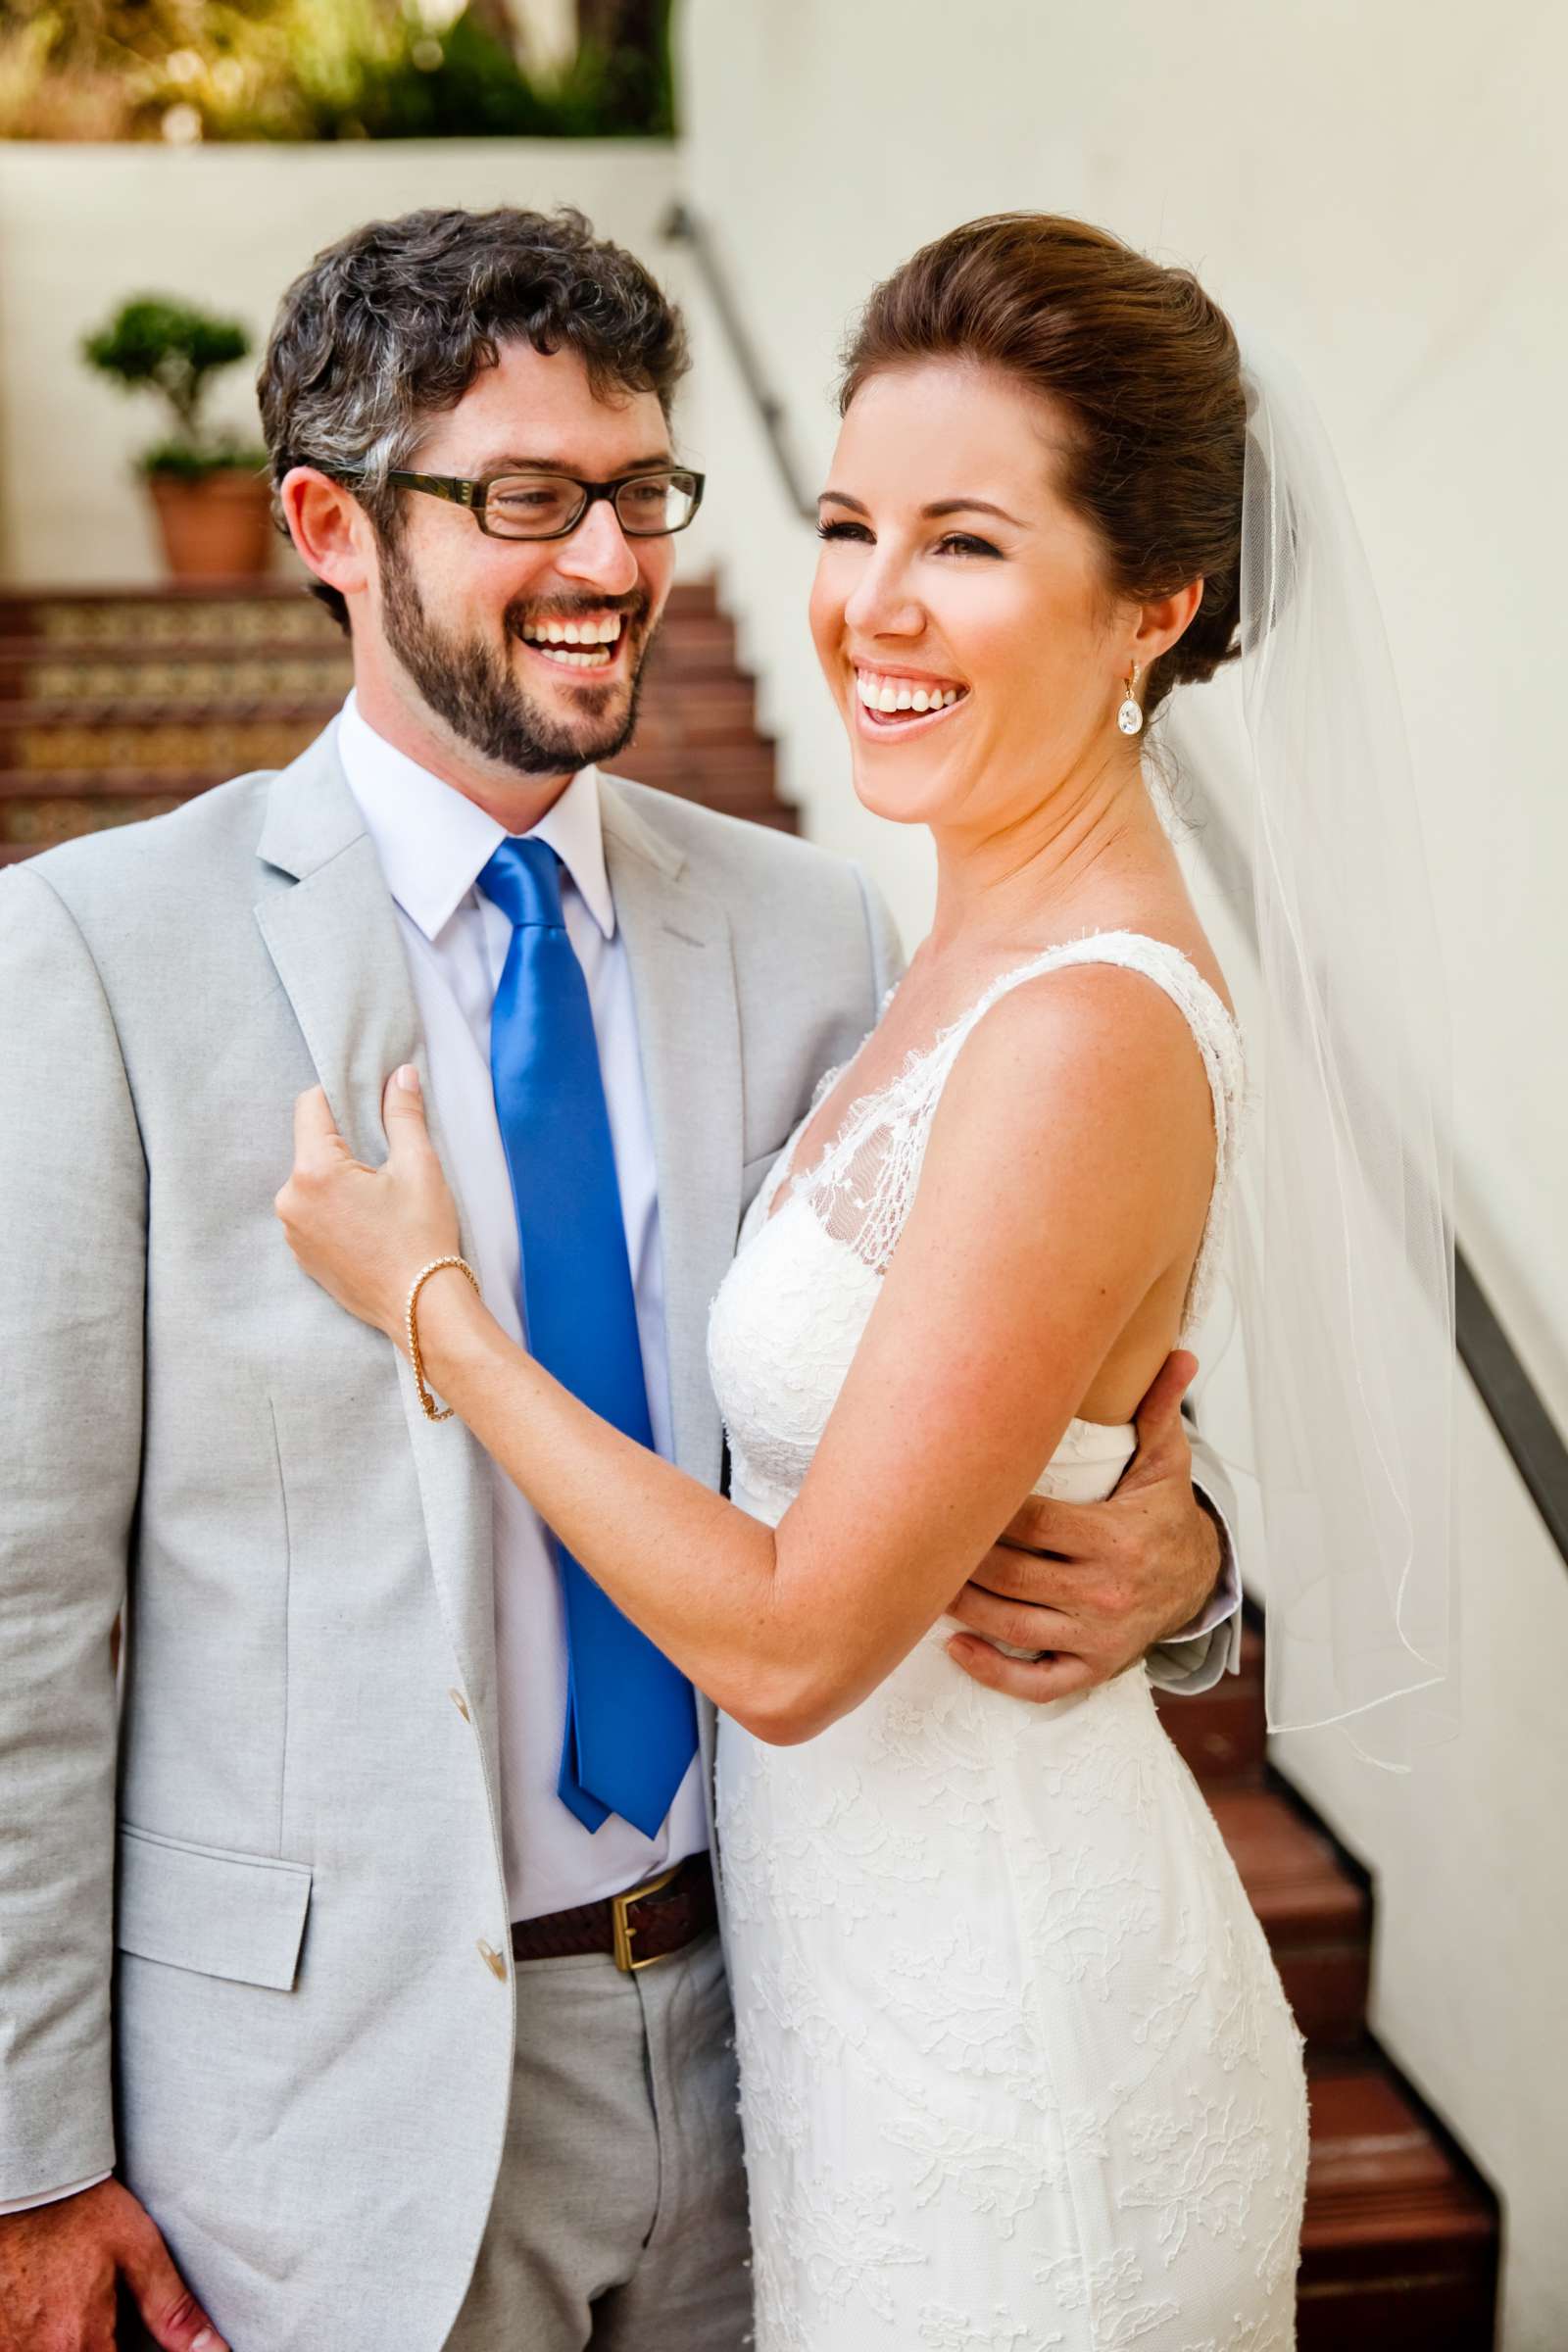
(474, 496)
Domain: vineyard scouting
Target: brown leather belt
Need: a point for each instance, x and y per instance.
(648, 1923)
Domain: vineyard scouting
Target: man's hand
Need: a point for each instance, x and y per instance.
(62, 2267)
(1095, 1585)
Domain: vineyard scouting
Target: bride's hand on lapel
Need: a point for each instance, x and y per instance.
(365, 1233)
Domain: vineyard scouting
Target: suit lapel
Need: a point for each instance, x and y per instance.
(334, 940)
(334, 943)
(687, 1029)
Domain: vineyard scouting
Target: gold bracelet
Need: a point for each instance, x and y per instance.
(432, 1410)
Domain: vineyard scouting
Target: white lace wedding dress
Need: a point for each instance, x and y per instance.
(1016, 2070)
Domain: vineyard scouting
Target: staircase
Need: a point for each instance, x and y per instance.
(118, 706)
(1400, 2251)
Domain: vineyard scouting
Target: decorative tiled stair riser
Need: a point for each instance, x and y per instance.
(120, 706)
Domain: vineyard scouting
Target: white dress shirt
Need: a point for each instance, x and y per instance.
(432, 844)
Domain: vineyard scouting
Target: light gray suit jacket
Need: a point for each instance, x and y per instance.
(243, 1912)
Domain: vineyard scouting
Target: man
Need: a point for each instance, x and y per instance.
(371, 1864)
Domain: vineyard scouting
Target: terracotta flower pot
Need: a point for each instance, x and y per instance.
(217, 527)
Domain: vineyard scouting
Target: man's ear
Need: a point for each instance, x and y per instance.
(329, 529)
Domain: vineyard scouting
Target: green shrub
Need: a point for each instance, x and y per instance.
(155, 344)
(219, 70)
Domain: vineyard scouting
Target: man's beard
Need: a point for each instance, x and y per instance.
(474, 690)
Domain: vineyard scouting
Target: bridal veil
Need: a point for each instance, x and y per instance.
(1345, 1245)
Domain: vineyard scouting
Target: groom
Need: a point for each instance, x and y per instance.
(328, 2019)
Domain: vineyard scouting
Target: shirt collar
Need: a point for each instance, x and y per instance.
(433, 843)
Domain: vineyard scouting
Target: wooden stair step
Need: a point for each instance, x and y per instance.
(1314, 1910)
(693, 768)
(695, 599)
(694, 648)
(699, 708)
(782, 817)
(1399, 2246)
(1222, 1733)
(755, 805)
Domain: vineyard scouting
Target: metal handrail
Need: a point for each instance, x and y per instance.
(681, 226)
(1518, 1412)
(1516, 1406)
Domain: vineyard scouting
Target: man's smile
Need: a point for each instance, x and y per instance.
(590, 641)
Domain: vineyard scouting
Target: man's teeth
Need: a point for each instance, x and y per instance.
(902, 694)
(599, 634)
(600, 631)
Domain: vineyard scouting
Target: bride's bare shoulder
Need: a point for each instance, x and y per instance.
(1084, 1063)
(1085, 1018)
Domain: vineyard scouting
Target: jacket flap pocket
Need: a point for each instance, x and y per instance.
(201, 1907)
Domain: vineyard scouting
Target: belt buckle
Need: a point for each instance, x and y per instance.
(619, 1904)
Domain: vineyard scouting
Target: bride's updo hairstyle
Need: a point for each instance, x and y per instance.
(1143, 366)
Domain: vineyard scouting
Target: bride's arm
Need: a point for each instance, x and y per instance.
(1004, 1299)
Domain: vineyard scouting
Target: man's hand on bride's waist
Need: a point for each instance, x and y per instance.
(1091, 1588)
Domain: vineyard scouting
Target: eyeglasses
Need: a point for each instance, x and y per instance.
(550, 506)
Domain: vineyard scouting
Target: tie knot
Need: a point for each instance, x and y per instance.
(523, 878)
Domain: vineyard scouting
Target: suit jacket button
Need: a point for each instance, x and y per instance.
(492, 1959)
(460, 1704)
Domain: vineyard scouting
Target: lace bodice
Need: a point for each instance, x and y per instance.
(787, 1319)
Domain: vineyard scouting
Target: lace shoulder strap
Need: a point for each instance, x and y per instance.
(1220, 1043)
(862, 1187)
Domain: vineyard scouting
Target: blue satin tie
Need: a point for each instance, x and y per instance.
(632, 1724)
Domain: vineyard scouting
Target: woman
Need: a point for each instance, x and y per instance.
(1017, 2067)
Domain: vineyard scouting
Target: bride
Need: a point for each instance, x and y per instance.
(1017, 2067)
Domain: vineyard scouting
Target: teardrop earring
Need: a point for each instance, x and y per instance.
(1130, 718)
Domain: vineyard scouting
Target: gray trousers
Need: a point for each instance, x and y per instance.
(620, 2215)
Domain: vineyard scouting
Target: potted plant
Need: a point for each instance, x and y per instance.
(209, 492)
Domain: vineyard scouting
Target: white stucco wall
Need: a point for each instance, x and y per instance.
(83, 227)
(1385, 190)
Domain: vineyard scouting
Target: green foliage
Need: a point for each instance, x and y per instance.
(467, 85)
(216, 69)
(160, 345)
(159, 341)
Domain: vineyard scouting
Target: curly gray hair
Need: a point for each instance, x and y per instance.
(392, 324)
